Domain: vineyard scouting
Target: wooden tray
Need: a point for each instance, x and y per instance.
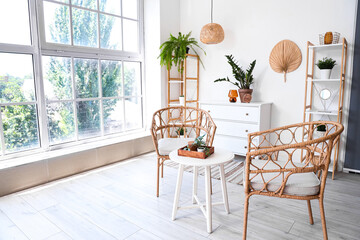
(195, 154)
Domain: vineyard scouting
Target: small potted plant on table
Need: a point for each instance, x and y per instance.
(244, 78)
(326, 65)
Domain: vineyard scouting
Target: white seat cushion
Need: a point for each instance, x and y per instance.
(167, 145)
(299, 184)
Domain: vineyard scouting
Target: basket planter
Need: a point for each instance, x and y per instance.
(245, 95)
(195, 154)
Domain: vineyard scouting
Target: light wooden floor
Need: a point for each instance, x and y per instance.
(118, 202)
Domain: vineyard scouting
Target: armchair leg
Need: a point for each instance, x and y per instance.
(246, 208)
(322, 213)
(158, 177)
(162, 169)
(310, 212)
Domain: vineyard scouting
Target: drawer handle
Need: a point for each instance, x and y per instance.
(245, 147)
(247, 114)
(246, 130)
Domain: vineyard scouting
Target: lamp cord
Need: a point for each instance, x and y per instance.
(211, 11)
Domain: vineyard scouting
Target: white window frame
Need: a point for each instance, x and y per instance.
(94, 50)
(39, 47)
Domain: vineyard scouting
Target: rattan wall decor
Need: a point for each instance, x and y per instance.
(285, 57)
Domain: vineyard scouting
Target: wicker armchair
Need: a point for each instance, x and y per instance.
(165, 130)
(290, 162)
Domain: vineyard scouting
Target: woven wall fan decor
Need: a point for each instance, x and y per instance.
(285, 57)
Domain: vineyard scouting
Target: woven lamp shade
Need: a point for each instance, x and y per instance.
(212, 33)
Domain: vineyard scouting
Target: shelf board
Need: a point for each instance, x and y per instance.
(175, 81)
(326, 80)
(327, 45)
(331, 113)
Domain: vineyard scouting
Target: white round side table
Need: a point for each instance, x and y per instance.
(219, 157)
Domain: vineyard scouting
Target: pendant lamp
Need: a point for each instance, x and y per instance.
(212, 33)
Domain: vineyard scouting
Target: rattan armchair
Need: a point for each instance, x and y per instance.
(290, 162)
(165, 130)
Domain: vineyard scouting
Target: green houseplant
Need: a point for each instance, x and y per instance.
(173, 51)
(326, 65)
(244, 79)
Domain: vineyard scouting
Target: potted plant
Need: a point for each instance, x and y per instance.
(174, 50)
(321, 130)
(197, 145)
(325, 65)
(244, 78)
(182, 100)
(181, 131)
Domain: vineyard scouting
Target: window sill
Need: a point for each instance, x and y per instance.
(58, 152)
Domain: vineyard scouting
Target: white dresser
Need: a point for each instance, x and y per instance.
(235, 121)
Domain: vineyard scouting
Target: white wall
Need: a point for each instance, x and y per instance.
(252, 28)
(161, 17)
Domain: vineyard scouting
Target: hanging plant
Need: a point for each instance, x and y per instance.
(174, 50)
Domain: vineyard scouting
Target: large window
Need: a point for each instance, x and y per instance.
(69, 73)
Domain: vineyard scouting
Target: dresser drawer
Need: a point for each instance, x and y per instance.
(237, 113)
(235, 128)
(233, 144)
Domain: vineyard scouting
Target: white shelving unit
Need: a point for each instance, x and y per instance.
(316, 107)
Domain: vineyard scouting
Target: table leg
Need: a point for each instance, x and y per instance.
(223, 187)
(208, 199)
(177, 190)
(195, 183)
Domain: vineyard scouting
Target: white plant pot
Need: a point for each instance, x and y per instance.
(201, 149)
(320, 134)
(182, 101)
(325, 73)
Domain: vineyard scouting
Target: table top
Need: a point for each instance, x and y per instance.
(220, 156)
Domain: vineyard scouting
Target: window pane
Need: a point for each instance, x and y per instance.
(133, 116)
(57, 23)
(61, 125)
(57, 78)
(16, 78)
(85, 28)
(113, 115)
(85, 3)
(86, 78)
(20, 127)
(130, 8)
(110, 32)
(131, 41)
(88, 119)
(111, 78)
(110, 6)
(14, 19)
(132, 78)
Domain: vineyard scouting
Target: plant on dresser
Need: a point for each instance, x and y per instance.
(244, 78)
(235, 121)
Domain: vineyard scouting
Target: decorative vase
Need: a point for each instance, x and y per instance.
(325, 73)
(328, 39)
(245, 95)
(182, 101)
(233, 94)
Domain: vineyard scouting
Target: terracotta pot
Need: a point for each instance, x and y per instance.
(245, 95)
